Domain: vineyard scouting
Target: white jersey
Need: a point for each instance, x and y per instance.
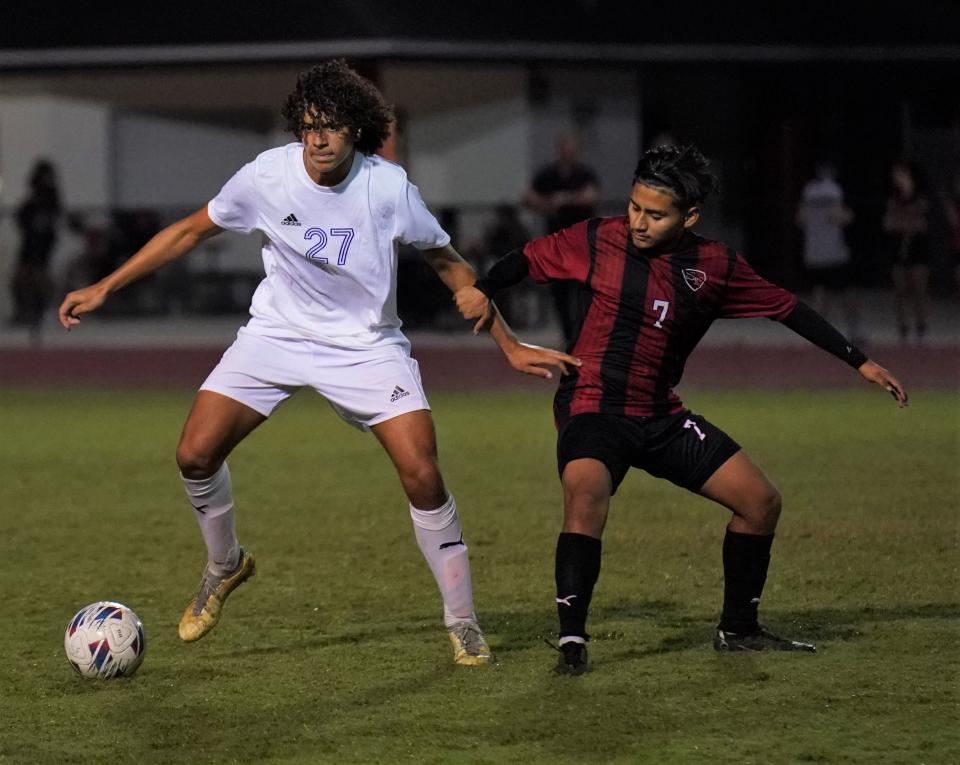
(822, 206)
(329, 253)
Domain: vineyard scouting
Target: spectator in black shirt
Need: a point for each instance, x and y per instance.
(37, 219)
(564, 192)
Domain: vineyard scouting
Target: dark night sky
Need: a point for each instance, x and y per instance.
(96, 24)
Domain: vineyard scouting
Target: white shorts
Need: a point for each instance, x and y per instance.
(364, 386)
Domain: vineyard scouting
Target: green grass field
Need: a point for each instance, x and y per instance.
(335, 651)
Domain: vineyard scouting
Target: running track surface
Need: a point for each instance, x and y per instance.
(446, 369)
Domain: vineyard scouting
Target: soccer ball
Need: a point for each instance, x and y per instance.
(104, 640)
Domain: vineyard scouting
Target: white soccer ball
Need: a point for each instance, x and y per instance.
(105, 640)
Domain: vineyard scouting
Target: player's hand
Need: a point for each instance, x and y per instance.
(473, 304)
(79, 302)
(877, 374)
(534, 360)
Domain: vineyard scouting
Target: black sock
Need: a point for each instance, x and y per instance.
(745, 561)
(577, 569)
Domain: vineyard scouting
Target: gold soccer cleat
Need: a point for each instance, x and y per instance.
(203, 612)
(469, 645)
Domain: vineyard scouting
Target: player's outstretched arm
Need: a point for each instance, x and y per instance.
(169, 244)
(458, 275)
(524, 357)
(813, 327)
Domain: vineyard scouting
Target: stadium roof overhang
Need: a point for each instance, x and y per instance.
(438, 50)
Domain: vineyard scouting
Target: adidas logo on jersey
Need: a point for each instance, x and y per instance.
(398, 393)
(291, 220)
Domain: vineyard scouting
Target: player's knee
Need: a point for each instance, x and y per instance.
(585, 481)
(421, 475)
(770, 505)
(585, 497)
(194, 462)
(423, 484)
(585, 507)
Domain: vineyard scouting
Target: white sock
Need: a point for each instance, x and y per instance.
(212, 500)
(440, 537)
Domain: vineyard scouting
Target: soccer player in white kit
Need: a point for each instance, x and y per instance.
(332, 215)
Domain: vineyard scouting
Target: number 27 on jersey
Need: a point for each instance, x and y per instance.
(344, 235)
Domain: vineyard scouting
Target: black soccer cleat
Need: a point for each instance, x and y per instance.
(760, 640)
(572, 659)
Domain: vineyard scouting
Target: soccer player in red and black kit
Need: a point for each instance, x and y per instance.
(649, 290)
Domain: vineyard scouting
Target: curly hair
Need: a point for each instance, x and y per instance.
(343, 98)
(682, 171)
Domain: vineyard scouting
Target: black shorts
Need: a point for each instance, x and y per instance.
(683, 448)
(910, 251)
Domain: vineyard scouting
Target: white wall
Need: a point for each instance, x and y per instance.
(466, 129)
(163, 162)
(75, 137)
(469, 155)
(178, 165)
(128, 160)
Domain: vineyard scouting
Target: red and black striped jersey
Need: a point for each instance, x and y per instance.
(641, 316)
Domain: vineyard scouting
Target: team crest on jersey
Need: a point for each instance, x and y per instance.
(694, 278)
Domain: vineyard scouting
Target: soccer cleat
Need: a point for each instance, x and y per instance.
(469, 645)
(573, 659)
(760, 640)
(203, 612)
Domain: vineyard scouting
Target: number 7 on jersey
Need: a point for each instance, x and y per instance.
(662, 306)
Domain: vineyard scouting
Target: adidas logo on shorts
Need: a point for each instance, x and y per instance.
(290, 220)
(398, 393)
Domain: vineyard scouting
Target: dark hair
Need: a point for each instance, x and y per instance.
(345, 99)
(916, 174)
(680, 170)
(43, 182)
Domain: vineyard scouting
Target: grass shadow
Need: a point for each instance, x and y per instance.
(519, 630)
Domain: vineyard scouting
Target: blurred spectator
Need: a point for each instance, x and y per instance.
(951, 209)
(564, 192)
(906, 224)
(823, 216)
(37, 218)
